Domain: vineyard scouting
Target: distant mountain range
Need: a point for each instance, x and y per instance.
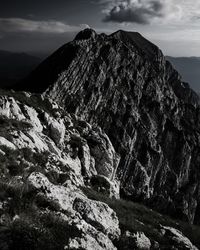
(189, 68)
(15, 66)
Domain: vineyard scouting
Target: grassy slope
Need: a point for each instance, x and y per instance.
(136, 217)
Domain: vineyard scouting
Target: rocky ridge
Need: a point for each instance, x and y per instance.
(122, 83)
(49, 159)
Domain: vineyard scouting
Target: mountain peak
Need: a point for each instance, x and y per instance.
(86, 34)
(121, 33)
(143, 45)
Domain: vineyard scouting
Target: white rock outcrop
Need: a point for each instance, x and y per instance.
(50, 153)
(132, 241)
(98, 223)
(56, 127)
(6, 143)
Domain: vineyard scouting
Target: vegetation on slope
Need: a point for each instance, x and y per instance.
(135, 217)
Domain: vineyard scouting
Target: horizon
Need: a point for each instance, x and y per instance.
(29, 26)
(43, 54)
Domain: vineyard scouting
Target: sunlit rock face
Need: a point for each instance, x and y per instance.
(47, 158)
(41, 127)
(134, 241)
(122, 83)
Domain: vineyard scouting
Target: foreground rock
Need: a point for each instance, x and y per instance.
(46, 157)
(135, 241)
(96, 223)
(177, 239)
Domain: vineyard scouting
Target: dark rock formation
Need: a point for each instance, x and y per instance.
(123, 83)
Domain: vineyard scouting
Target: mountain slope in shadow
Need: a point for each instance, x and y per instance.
(15, 66)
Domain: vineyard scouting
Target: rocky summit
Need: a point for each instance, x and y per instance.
(101, 126)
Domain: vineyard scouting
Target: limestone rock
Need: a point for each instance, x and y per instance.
(46, 158)
(57, 129)
(9, 108)
(32, 115)
(4, 142)
(106, 159)
(132, 241)
(41, 129)
(99, 215)
(123, 83)
(177, 238)
(103, 185)
(88, 242)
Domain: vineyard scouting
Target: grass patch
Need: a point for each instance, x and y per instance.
(136, 217)
(29, 226)
(37, 231)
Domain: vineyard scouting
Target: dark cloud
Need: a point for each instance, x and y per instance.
(135, 11)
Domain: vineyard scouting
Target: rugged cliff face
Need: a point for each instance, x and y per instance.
(58, 187)
(123, 83)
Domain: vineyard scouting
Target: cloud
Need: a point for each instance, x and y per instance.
(135, 11)
(9, 25)
(149, 11)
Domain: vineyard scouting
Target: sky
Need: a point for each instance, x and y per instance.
(41, 26)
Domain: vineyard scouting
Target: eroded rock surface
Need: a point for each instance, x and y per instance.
(138, 241)
(177, 239)
(123, 83)
(46, 158)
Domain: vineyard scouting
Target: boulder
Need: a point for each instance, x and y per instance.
(103, 185)
(132, 241)
(106, 159)
(99, 215)
(57, 129)
(177, 239)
